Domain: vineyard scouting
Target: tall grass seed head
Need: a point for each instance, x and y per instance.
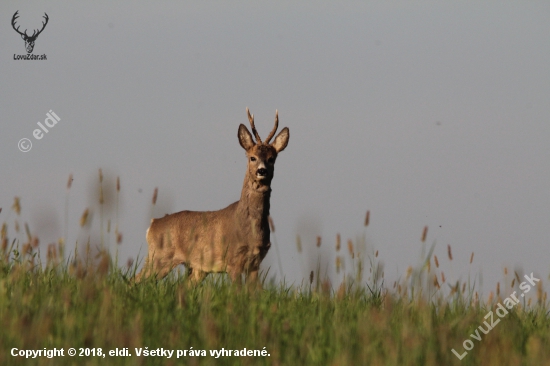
(84, 217)
(16, 205)
(424, 234)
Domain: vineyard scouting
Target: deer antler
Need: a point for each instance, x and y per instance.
(272, 133)
(254, 131)
(34, 34)
(15, 16)
(43, 26)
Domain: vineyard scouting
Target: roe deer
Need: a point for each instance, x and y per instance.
(234, 239)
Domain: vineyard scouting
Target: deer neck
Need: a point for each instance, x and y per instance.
(254, 202)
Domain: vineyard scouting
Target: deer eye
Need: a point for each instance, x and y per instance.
(252, 159)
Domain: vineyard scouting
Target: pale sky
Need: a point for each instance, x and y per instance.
(424, 113)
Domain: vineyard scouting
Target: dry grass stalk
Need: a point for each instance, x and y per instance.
(491, 297)
(409, 272)
(454, 289)
(472, 258)
(66, 231)
(61, 247)
(341, 291)
(449, 252)
(436, 282)
(498, 289)
(298, 243)
(116, 209)
(28, 231)
(350, 249)
(311, 274)
(16, 206)
(513, 283)
(376, 254)
(318, 241)
(27, 249)
(155, 194)
(436, 261)
(505, 271)
(325, 287)
(4, 237)
(51, 255)
(104, 263)
(338, 242)
(101, 200)
(119, 238)
(338, 263)
(84, 218)
(367, 218)
(424, 234)
(442, 277)
(78, 269)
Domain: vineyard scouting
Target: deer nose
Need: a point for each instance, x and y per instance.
(262, 172)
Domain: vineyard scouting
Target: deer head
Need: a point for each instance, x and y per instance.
(262, 155)
(29, 40)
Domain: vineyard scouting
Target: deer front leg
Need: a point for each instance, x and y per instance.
(235, 276)
(252, 280)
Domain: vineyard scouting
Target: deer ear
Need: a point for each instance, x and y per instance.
(245, 138)
(281, 140)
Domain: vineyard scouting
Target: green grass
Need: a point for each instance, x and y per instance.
(93, 306)
(85, 301)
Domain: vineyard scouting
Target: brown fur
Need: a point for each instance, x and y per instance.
(234, 239)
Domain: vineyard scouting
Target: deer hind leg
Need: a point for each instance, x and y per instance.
(146, 270)
(195, 276)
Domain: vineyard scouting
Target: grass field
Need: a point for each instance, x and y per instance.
(85, 302)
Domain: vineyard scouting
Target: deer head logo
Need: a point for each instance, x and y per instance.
(29, 40)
